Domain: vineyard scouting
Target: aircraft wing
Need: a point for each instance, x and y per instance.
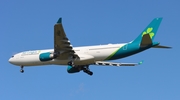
(62, 45)
(116, 64)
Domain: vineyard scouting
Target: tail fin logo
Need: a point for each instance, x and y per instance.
(149, 31)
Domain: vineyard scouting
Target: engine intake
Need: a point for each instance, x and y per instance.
(71, 69)
(46, 56)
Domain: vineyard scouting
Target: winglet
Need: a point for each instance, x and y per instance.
(140, 62)
(59, 20)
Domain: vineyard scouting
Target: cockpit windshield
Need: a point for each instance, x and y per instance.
(12, 56)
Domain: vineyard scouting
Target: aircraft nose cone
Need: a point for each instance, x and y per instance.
(14, 61)
(11, 61)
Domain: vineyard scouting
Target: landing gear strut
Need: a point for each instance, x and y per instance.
(71, 62)
(22, 70)
(87, 70)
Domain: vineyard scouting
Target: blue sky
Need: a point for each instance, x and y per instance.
(28, 25)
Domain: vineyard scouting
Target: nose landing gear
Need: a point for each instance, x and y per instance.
(22, 70)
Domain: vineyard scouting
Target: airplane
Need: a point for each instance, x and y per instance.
(79, 58)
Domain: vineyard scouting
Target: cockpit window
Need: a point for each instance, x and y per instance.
(12, 56)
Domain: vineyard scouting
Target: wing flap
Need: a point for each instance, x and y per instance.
(116, 64)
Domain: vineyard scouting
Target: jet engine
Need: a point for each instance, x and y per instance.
(71, 69)
(75, 69)
(46, 56)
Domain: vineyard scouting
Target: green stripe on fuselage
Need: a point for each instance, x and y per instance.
(128, 50)
(124, 51)
(109, 57)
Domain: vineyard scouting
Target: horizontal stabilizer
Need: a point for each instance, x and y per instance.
(160, 46)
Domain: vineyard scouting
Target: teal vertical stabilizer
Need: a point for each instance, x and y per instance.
(149, 32)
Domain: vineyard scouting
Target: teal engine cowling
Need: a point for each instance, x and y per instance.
(46, 56)
(71, 69)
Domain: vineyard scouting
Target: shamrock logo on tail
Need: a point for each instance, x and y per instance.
(149, 31)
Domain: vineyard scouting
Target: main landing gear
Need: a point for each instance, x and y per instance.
(87, 70)
(22, 70)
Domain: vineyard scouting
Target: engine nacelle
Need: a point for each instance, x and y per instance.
(71, 69)
(46, 56)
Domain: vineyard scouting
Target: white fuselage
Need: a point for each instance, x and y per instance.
(88, 55)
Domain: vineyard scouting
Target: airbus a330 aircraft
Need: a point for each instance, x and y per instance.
(79, 58)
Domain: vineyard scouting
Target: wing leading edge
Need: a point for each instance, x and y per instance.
(62, 45)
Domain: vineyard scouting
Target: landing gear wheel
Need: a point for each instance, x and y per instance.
(86, 70)
(90, 73)
(22, 70)
(70, 63)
